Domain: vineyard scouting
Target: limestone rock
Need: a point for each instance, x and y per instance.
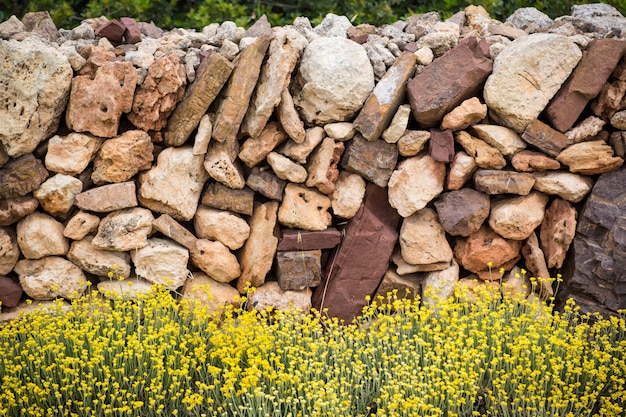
(412, 142)
(299, 152)
(124, 230)
(525, 17)
(590, 158)
(462, 168)
(558, 229)
(221, 197)
(162, 262)
(398, 124)
(38, 80)
(21, 176)
(215, 260)
(122, 157)
(348, 195)
(414, 183)
(128, 289)
(462, 212)
(602, 18)
(264, 182)
(340, 131)
(173, 186)
(255, 149)
(505, 140)
(289, 118)
(486, 156)
(529, 161)
(258, 252)
(56, 195)
(96, 104)
(438, 286)
(203, 135)
(158, 94)
(222, 164)
(304, 208)
(457, 75)
(270, 295)
(298, 270)
(107, 198)
(618, 120)
(334, 91)
(423, 239)
(503, 182)
(226, 227)
(51, 277)
(9, 250)
(80, 225)
(98, 262)
(569, 186)
(373, 160)
(536, 264)
(589, 129)
(518, 97)
(517, 217)
(211, 76)
(71, 154)
(544, 138)
(203, 291)
(40, 235)
(286, 169)
(469, 112)
(322, 166)
(173, 230)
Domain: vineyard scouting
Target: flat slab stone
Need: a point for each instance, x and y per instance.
(503, 182)
(298, 270)
(172, 229)
(544, 138)
(296, 240)
(108, 197)
(221, 197)
(373, 160)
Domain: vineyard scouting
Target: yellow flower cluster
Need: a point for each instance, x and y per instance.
(487, 355)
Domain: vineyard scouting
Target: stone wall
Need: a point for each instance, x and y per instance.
(317, 164)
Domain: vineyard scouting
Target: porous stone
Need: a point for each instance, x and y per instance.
(124, 230)
(462, 212)
(373, 160)
(216, 260)
(286, 169)
(56, 195)
(414, 183)
(589, 129)
(265, 182)
(462, 168)
(517, 97)
(557, 232)
(486, 156)
(348, 195)
(162, 262)
(80, 225)
(322, 167)
(35, 98)
(423, 239)
(517, 217)
(107, 198)
(530, 161)
(221, 197)
(99, 262)
(505, 140)
(176, 169)
(9, 250)
(226, 227)
(122, 157)
(590, 158)
(21, 176)
(51, 277)
(299, 152)
(271, 296)
(544, 138)
(298, 270)
(304, 208)
(503, 182)
(469, 112)
(40, 235)
(567, 185)
(71, 154)
(202, 291)
(222, 164)
(255, 149)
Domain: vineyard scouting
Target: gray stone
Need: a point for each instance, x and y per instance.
(462, 212)
(373, 160)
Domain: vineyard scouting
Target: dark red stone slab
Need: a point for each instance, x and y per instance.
(441, 145)
(112, 30)
(10, 292)
(294, 240)
(132, 34)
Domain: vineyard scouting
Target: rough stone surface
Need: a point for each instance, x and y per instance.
(438, 286)
(590, 158)
(333, 92)
(322, 167)
(373, 160)
(124, 230)
(299, 240)
(530, 161)
(298, 270)
(536, 263)
(40, 235)
(567, 185)
(441, 86)
(589, 129)
(21, 176)
(71, 154)
(107, 198)
(255, 149)
(264, 182)
(222, 164)
(270, 295)
(215, 259)
(14, 209)
(544, 138)
(412, 142)
(51, 277)
(226, 227)
(99, 262)
(161, 261)
(80, 225)
(415, 182)
(462, 212)
(289, 118)
(486, 156)
(33, 102)
(423, 239)
(462, 168)
(173, 230)
(503, 182)
(10, 292)
(299, 152)
(340, 131)
(56, 195)
(557, 231)
(221, 197)
(9, 250)
(173, 186)
(517, 217)
(518, 97)
(362, 259)
(304, 208)
(203, 135)
(122, 157)
(505, 140)
(286, 169)
(441, 145)
(469, 112)
(348, 194)
(204, 292)
(128, 289)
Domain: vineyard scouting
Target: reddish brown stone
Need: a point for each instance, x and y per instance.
(612, 98)
(457, 75)
(298, 270)
(295, 240)
(132, 34)
(359, 265)
(14, 209)
(462, 212)
(10, 292)
(373, 160)
(264, 181)
(21, 176)
(221, 197)
(441, 145)
(598, 62)
(112, 30)
(544, 138)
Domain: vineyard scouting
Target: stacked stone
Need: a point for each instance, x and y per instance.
(317, 165)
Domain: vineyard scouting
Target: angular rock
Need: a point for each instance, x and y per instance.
(255, 149)
(438, 286)
(503, 182)
(591, 128)
(21, 176)
(398, 124)
(505, 140)
(469, 112)
(37, 81)
(9, 250)
(257, 255)
(362, 259)
(203, 136)
(158, 94)
(51, 277)
(525, 17)
(56, 195)
(286, 169)
(530, 161)
(462, 212)
(423, 239)
(113, 30)
(332, 92)
(385, 99)
(517, 97)
(306, 240)
(124, 230)
(298, 270)
(348, 195)
(373, 160)
(80, 225)
(162, 262)
(412, 142)
(211, 76)
(598, 61)
(590, 158)
(557, 231)
(304, 208)
(121, 158)
(215, 260)
(322, 166)
(222, 164)
(340, 131)
(132, 33)
(569, 186)
(10, 292)
(221, 197)
(173, 230)
(457, 75)
(618, 120)
(226, 227)
(441, 145)
(396, 286)
(544, 138)
(602, 18)
(270, 295)
(238, 92)
(71, 154)
(536, 264)
(414, 183)
(485, 247)
(299, 152)
(486, 156)
(99, 262)
(107, 198)
(40, 235)
(96, 104)
(462, 168)
(263, 181)
(173, 186)
(517, 217)
(204, 292)
(283, 54)
(289, 118)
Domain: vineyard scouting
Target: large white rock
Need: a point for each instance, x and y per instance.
(567, 185)
(51, 277)
(173, 186)
(40, 235)
(99, 262)
(224, 226)
(526, 75)
(162, 262)
(37, 78)
(124, 230)
(517, 217)
(348, 195)
(336, 77)
(56, 195)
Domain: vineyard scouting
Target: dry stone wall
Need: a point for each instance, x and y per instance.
(319, 165)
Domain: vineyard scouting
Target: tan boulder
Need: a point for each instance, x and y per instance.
(224, 226)
(286, 169)
(529, 161)
(486, 156)
(202, 291)
(567, 185)
(124, 230)
(423, 239)
(322, 166)
(255, 149)
(71, 154)
(304, 208)
(590, 158)
(216, 260)
(348, 195)
(51, 277)
(9, 250)
(300, 152)
(462, 168)
(122, 157)
(161, 261)
(469, 112)
(80, 225)
(517, 217)
(412, 142)
(56, 195)
(40, 235)
(557, 231)
(99, 262)
(505, 140)
(270, 295)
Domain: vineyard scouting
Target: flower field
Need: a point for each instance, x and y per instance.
(486, 355)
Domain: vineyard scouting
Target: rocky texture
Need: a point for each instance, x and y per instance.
(423, 241)
(270, 295)
(415, 183)
(162, 262)
(202, 291)
(121, 158)
(227, 227)
(99, 262)
(462, 212)
(51, 277)
(298, 270)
